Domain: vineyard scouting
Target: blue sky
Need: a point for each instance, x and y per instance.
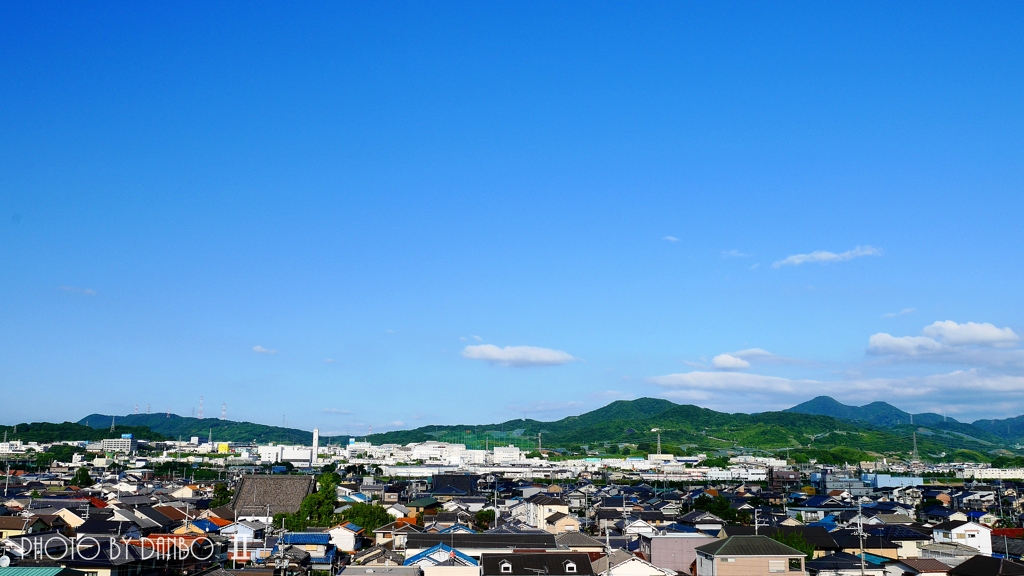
(394, 214)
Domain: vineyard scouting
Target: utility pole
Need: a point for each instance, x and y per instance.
(860, 533)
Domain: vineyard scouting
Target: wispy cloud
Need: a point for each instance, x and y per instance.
(261, 350)
(903, 312)
(335, 411)
(735, 254)
(397, 423)
(517, 355)
(477, 338)
(824, 257)
(83, 291)
(329, 360)
(670, 238)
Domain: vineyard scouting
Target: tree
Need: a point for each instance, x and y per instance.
(484, 518)
(369, 517)
(221, 495)
(81, 478)
(795, 540)
(317, 509)
(719, 506)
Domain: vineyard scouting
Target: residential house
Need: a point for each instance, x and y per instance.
(11, 526)
(395, 533)
(967, 533)
(817, 536)
(843, 564)
(630, 566)
(318, 545)
(673, 551)
(907, 540)
(986, 566)
(579, 542)
(346, 537)
(443, 560)
(377, 556)
(532, 564)
(748, 556)
(476, 545)
(916, 567)
(850, 542)
(701, 520)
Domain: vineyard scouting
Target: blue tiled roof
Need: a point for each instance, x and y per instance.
(322, 538)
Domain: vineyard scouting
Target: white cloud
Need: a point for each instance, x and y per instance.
(517, 355)
(463, 338)
(261, 350)
(397, 423)
(477, 338)
(670, 238)
(974, 392)
(948, 338)
(822, 256)
(729, 362)
(724, 381)
(84, 291)
(335, 411)
(329, 360)
(903, 312)
(883, 343)
(983, 334)
(735, 254)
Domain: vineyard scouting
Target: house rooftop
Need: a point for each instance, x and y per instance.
(749, 546)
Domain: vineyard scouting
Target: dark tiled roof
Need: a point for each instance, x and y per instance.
(950, 525)
(551, 563)
(816, 536)
(834, 563)
(748, 546)
(483, 540)
(283, 494)
(575, 539)
(986, 566)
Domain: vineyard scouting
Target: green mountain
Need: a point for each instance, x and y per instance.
(825, 437)
(840, 434)
(45, 432)
(1009, 429)
(877, 413)
(173, 427)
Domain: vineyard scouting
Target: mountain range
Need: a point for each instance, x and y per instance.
(819, 428)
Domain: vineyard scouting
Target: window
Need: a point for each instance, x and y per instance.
(795, 565)
(570, 567)
(506, 567)
(776, 566)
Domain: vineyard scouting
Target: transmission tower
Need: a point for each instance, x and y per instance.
(112, 419)
(224, 411)
(200, 407)
(136, 409)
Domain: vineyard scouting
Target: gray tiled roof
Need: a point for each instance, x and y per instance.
(748, 546)
(283, 494)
